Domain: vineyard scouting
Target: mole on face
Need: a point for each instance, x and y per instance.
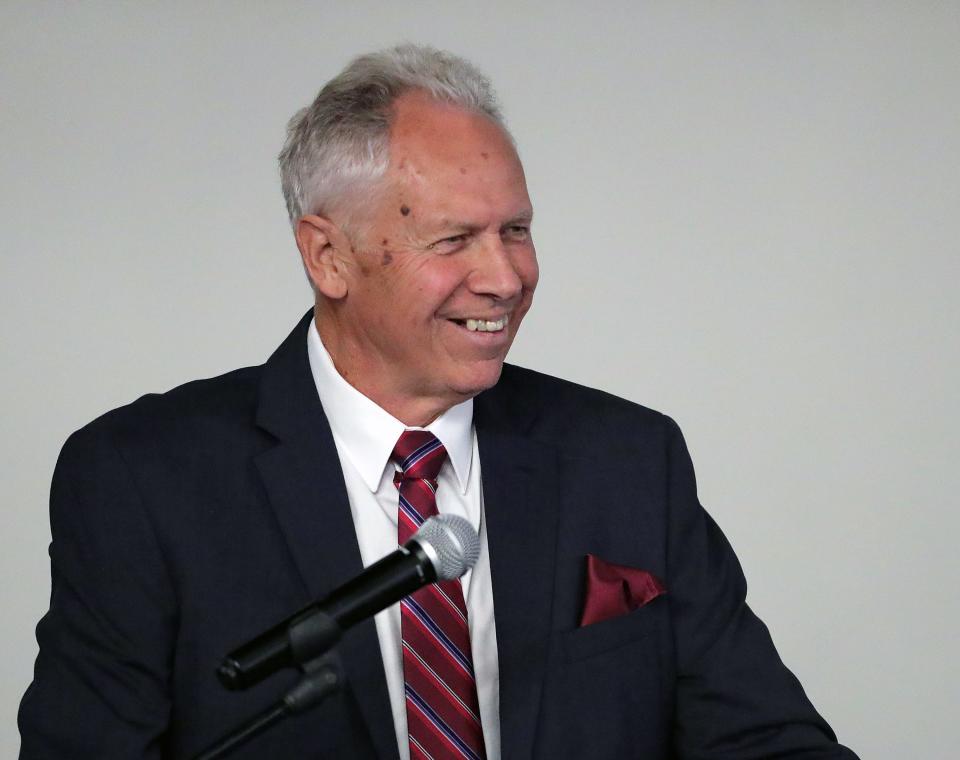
(405, 210)
(385, 242)
(387, 258)
(463, 170)
(485, 155)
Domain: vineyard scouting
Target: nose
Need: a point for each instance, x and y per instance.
(495, 272)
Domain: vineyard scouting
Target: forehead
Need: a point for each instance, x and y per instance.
(445, 130)
(453, 154)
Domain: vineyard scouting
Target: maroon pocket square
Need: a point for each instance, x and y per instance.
(614, 590)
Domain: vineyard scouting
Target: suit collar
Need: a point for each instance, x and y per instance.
(287, 404)
(304, 484)
(521, 505)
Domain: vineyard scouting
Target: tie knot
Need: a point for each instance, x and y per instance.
(419, 454)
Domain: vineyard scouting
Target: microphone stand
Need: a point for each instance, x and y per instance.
(321, 677)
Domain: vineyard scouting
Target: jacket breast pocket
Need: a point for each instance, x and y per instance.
(607, 635)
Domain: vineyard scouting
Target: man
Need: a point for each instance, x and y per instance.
(605, 617)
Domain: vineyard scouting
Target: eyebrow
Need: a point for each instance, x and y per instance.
(524, 216)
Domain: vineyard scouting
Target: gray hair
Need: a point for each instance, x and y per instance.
(337, 147)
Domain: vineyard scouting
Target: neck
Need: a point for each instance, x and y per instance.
(411, 410)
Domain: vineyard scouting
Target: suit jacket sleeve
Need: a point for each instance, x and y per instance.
(735, 697)
(100, 686)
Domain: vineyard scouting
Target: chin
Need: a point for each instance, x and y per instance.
(479, 380)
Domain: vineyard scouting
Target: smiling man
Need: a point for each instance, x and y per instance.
(606, 614)
(419, 306)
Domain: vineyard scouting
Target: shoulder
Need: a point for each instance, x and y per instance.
(186, 418)
(560, 409)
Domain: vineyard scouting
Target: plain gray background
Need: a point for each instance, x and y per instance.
(747, 217)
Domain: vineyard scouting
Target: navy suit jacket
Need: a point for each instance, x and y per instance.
(185, 523)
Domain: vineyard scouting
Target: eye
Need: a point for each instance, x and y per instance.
(517, 232)
(450, 243)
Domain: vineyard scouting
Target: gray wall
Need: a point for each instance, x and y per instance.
(746, 218)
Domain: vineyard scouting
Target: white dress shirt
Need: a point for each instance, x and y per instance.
(365, 435)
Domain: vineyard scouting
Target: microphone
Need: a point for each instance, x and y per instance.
(444, 548)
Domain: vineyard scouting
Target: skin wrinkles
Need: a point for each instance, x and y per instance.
(463, 250)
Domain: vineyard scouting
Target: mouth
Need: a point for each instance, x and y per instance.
(484, 325)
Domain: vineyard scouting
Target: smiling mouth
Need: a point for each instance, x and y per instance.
(484, 325)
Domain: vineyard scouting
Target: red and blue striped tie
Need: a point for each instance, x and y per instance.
(443, 714)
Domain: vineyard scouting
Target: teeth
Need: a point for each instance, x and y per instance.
(484, 325)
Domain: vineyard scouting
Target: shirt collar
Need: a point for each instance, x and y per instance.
(368, 433)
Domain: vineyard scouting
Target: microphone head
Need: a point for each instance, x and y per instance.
(452, 544)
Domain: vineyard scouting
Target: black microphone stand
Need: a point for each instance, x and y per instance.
(321, 677)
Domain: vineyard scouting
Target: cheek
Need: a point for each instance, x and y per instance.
(528, 270)
(422, 274)
(439, 283)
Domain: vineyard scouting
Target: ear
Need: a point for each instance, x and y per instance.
(322, 245)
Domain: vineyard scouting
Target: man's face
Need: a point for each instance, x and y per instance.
(445, 267)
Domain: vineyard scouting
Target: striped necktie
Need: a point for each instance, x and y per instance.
(443, 713)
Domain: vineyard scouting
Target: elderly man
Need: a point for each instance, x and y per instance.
(605, 617)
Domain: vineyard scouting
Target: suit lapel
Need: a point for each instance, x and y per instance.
(520, 495)
(305, 487)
